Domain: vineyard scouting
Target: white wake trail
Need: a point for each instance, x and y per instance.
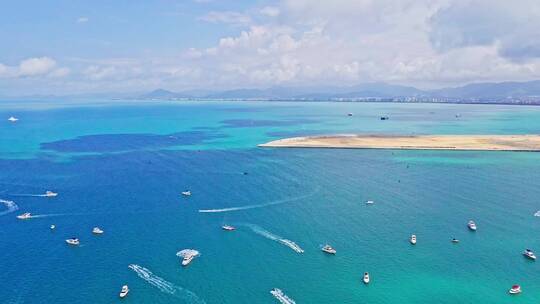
(269, 235)
(10, 207)
(278, 202)
(281, 297)
(166, 286)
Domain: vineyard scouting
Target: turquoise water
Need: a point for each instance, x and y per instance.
(122, 166)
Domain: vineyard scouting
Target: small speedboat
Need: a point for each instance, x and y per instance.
(187, 255)
(53, 227)
(366, 278)
(413, 239)
(529, 254)
(97, 230)
(73, 241)
(350, 114)
(515, 289)
(13, 119)
(186, 193)
(228, 228)
(370, 202)
(471, 225)
(454, 240)
(24, 216)
(124, 292)
(50, 194)
(328, 249)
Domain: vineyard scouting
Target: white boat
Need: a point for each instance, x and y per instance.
(187, 255)
(228, 228)
(50, 193)
(124, 292)
(73, 241)
(471, 225)
(24, 216)
(97, 230)
(454, 240)
(529, 254)
(186, 193)
(328, 249)
(281, 297)
(413, 239)
(515, 289)
(370, 202)
(366, 278)
(13, 119)
(53, 227)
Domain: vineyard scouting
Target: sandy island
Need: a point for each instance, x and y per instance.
(414, 142)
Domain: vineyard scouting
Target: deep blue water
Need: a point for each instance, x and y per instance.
(122, 167)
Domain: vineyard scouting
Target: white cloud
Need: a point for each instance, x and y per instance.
(227, 17)
(36, 66)
(60, 72)
(270, 11)
(82, 19)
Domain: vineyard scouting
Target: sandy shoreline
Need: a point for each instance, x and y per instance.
(415, 142)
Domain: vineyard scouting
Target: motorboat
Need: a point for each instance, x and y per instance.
(471, 225)
(228, 228)
(529, 254)
(413, 239)
(187, 256)
(385, 118)
(13, 119)
(73, 241)
(50, 194)
(350, 114)
(24, 216)
(328, 249)
(124, 292)
(97, 230)
(186, 193)
(370, 202)
(454, 240)
(53, 227)
(366, 278)
(515, 289)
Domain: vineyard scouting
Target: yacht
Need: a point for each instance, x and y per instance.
(328, 249)
(13, 119)
(53, 227)
(515, 289)
(124, 292)
(366, 278)
(186, 193)
(97, 230)
(472, 225)
(73, 241)
(187, 256)
(529, 254)
(454, 240)
(50, 193)
(370, 202)
(24, 216)
(228, 228)
(413, 239)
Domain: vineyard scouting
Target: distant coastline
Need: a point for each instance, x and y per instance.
(415, 142)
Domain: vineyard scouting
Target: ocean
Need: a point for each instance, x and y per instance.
(122, 165)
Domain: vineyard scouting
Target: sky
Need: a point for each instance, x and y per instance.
(99, 46)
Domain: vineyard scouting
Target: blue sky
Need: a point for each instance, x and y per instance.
(70, 47)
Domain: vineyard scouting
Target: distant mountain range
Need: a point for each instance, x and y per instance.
(528, 92)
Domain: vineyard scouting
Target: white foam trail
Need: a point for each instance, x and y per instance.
(27, 194)
(278, 202)
(187, 252)
(10, 207)
(537, 213)
(50, 215)
(165, 286)
(269, 235)
(281, 297)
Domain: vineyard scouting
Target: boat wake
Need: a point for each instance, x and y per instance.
(10, 207)
(281, 297)
(269, 235)
(50, 215)
(188, 252)
(166, 286)
(278, 202)
(28, 194)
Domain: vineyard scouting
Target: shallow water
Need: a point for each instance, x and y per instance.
(116, 167)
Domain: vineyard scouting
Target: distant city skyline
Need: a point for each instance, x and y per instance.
(72, 47)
